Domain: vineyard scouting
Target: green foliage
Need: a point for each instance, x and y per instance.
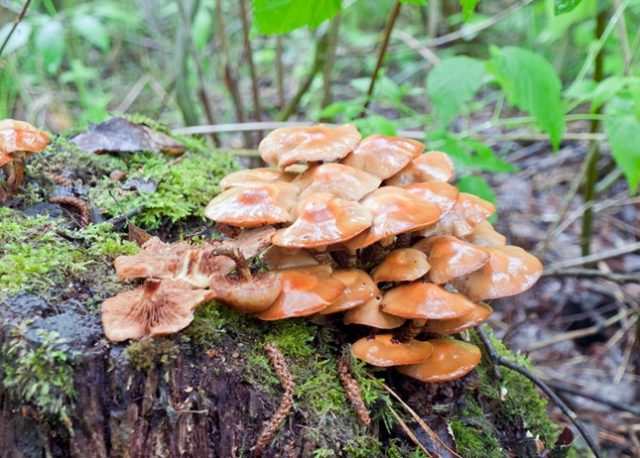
(531, 84)
(19, 38)
(468, 7)
(565, 6)
(478, 186)
(50, 43)
(622, 126)
(92, 30)
(150, 352)
(282, 16)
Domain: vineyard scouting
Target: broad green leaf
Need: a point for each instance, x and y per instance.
(92, 30)
(50, 44)
(452, 83)
(477, 186)
(564, 6)
(349, 109)
(282, 16)
(18, 39)
(485, 159)
(375, 124)
(531, 84)
(469, 154)
(622, 128)
(468, 8)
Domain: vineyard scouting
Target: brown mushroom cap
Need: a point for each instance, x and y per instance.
(369, 314)
(254, 177)
(359, 288)
(248, 295)
(324, 220)
(468, 212)
(443, 195)
(383, 350)
(5, 159)
(450, 360)
(404, 264)
(425, 300)
(289, 145)
(478, 315)
(450, 257)
(21, 136)
(340, 180)
(510, 271)
(279, 258)
(484, 234)
(305, 291)
(395, 211)
(253, 206)
(383, 156)
(158, 307)
(430, 166)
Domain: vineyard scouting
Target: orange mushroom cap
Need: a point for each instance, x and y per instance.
(359, 288)
(430, 166)
(404, 264)
(478, 315)
(450, 360)
(157, 308)
(21, 136)
(289, 145)
(305, 291)
(5, 159)
(395, 211)
(509, 271)
(468, 212)
(443, 195)
(450, 257)
(253, 206)
(248, 295)
(279, 258)
(255, 177)
(340, 180)
(484, 234)
(383, 156)
(369, 314)
(324, 220)
(425, 300)
(383, 350)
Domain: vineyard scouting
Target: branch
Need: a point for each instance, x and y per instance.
(607, 254)
(595, 398)
(591, 273)
(17, 21)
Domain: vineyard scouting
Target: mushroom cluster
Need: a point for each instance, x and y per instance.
(367, 228)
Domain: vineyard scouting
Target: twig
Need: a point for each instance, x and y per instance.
(330, 61)
(352, 389)
(17, 21)
(425, 52)
(590, 273)
(501, 361)
(286, 403)
(407, 430)
(607, 254)
(279, 72)
(383, 49)
(595, 398)
(248, 52)
(78, 204)
(116, 220)
(183, 97)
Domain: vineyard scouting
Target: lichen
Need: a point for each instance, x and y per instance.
(150, 352)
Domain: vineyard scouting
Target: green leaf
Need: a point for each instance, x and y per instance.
(486, 160)
(477, 186)
(414, 2)
(375, 124)
(50, 43)
(282, 16)
(202, 27)
(92, 30)
(564, 6)
(468, 8)
(622, 128)
(19, 38)
(531, 84)
(452, 83)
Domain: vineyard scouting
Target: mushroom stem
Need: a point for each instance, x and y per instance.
(410, 330)
(233, 251)
(15, 175)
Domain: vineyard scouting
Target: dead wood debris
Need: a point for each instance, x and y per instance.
(352, 389)
(79, 205)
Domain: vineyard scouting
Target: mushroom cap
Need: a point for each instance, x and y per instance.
(509, 271)
(430, 166)
(279, 258)
(425, 300)
(369, 314)
(324, 220)
(340, 180)
(5, 159)
(450, 360)
(359, 288)
(21, 136)
(404, 264)
(289, 145)
(451, 257)
(484, 234)
(478, 315)
(395, 211)
(383, 156)
(157, 308)
(254, 177)
(253, 206)
(443, 195)
(249, 296)
(383, 350)
(468, 212)
(305, 291)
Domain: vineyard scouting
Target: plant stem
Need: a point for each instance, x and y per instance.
(183, 97)
(23, 11)
(279, 72)
(248, 51)
(330, 61)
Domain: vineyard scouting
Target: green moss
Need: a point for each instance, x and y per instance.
(149, 352)
(293, 337)
(474, 435)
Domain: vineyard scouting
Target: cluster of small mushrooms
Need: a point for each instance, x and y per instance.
(368, 228)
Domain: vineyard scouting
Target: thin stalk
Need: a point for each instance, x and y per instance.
(330, 61)
(23, 11)
(248, 52)
(279, 72)
(183, 97)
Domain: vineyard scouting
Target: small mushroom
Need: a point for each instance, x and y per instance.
(419, 300)
(383, 350)
(279, 258)
(369, 314)
(404, 264)
(450, 360)
(340, 180)
(305, 291)
(383, 156)
(324, 220)
(289, 145)
(250, 178)
(359, 288)
(478, 315)
(509, 271)
(484, 234)
(157, 308)
(430, 166)
(17, 140)
(395, 211)
(254, 206)
(248, 295)
(468, 212)
(451, 257)
(443, 195)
